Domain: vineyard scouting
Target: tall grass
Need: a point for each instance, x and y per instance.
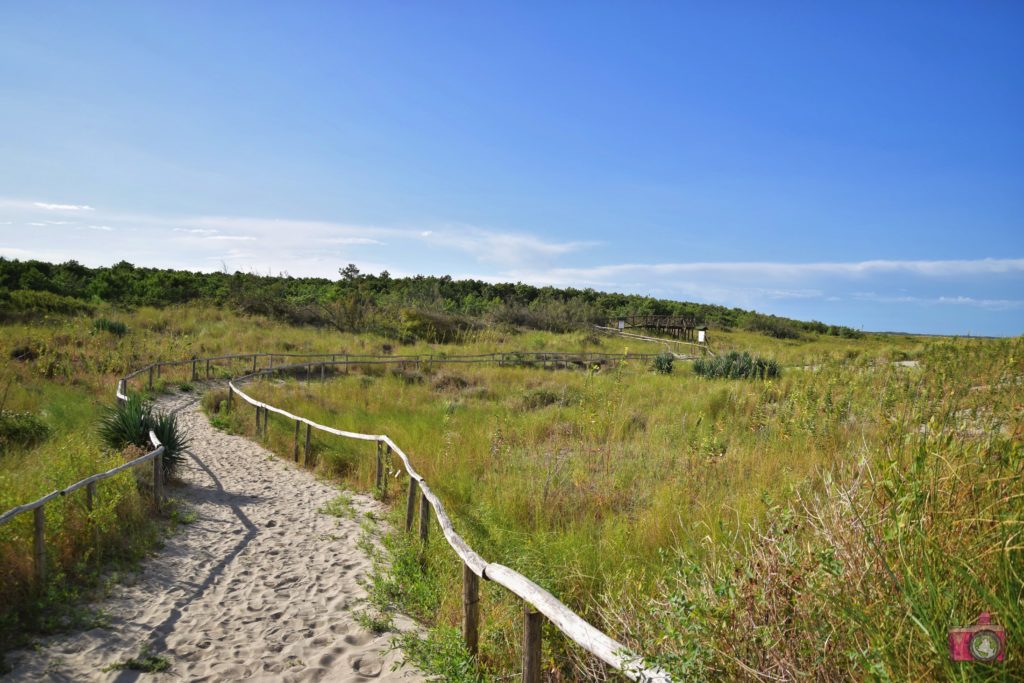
(758, 511)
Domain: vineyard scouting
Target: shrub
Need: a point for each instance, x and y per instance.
(129, 423)
(663, 363)
(28, 303)
(114, 327)
(21, 429)
(735, 365)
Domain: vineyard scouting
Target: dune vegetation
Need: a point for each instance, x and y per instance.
(829, 522)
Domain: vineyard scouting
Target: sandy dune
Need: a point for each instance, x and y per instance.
(259, 587)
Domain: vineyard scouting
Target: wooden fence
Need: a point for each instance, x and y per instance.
(537, 602)
(89, 484)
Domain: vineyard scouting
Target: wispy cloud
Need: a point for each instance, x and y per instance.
(105, 228)
(500, 247)
(63, 207)
(353, 241)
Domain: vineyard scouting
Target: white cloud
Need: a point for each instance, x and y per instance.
(196, 231)
(105, 228)
(352, 240)
(231, 238)
(63, 207)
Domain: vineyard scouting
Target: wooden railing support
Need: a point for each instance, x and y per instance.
(254, 362)
(266, 418)
(305, 453)
(39, 549)
(207, 369)
(295, 445)
(424, 517)
(231, 395)
(379, 480)
(410, 506)
(257, 420)
(90, 495)
(532, 622)
(470, 609)
(194, 375)
(158, 480)
(151, 376)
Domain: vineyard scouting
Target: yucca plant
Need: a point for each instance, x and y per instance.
(174, 440)
(129, 423)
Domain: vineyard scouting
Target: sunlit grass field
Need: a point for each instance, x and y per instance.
(828, 524)
(833, 522)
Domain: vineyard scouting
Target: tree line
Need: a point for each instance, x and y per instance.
(436, 308)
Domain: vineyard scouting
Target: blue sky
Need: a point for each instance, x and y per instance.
(859, 164)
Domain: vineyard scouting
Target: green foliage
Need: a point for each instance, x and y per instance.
(433, 309)
(173, 438)
(663, 363)
(21, 429)
(30, 303)
(126, 424)
(114, 327)
(147, 662)
(735, 365)
(441, 652)
(129, 424)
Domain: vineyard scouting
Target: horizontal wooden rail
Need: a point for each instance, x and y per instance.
(13, 512)
(89, 483)
(568, 622)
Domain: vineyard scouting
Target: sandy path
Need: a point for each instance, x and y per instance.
(259, 587)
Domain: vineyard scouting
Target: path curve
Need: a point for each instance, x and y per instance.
(259, 587)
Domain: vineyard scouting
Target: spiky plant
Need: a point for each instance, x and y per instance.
(126, 424)
(129, 423)
(174, 440)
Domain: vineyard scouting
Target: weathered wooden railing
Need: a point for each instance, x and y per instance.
(39, 541)
(537, 601)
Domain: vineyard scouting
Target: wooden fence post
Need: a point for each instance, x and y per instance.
(266, 419)
(532, 621)
(207, 369)
(39, 549)
(151, 376)
(379, 481)
(254, 362)
(158, 480)
(90, 495)
(322, 368)
(257, 420)
(231, 395)
(410, 506)
(470, 609)
(305, 454)
(194, 375)
(424, 517)
(295, 445)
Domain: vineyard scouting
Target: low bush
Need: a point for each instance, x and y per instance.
(28, 303)
(114, 327)
(736, 365)
(21, 429)
(663, 363)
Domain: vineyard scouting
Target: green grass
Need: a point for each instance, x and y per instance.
(720, 527)
(677, 512)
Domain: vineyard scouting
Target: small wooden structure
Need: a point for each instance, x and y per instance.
(678, 326)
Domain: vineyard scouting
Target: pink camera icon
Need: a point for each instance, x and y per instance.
(982, 642)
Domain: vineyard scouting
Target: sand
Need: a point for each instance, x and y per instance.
(259, 587)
